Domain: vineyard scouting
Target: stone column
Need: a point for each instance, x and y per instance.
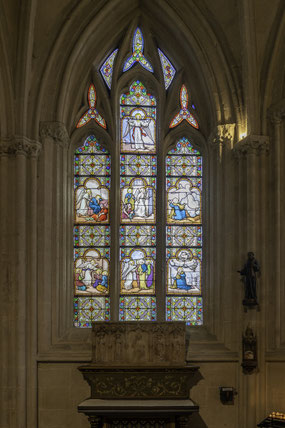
(277, 223)
(276, 318)
(55, 240)
(18, 165)
(249, 65)
(251, 155)
(219, 201)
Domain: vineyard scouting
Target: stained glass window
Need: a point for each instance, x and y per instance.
(134, 308)
(91, 113)
(138, 204)
(91, 235)
(184, 113)
(137, 55)
(178, 205)
(107, 68)
(184, 233)
(167, 69)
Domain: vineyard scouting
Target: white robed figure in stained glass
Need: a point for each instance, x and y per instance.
(138, 131)
(137, 202)
(128, 273)
(142, 202)
(82, 202)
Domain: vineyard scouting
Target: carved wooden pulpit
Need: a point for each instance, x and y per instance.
(139, 376)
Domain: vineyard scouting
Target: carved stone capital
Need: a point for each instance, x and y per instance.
(55, 131)
(252, 145)
(223, 134)
(276, 112)
(19, 145)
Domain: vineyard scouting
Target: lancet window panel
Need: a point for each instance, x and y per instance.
(91, 233)
(138, 170)
(184, 233)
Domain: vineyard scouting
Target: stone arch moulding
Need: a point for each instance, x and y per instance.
(7, 119)
(272, 73)
(273, 120)
(196, 49)
(60, 340)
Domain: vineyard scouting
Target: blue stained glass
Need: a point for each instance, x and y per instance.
(167, 69)
(107, 68)
(137, 55)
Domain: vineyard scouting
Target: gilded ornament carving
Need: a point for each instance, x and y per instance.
(55, 131)
(223, 134)
(19, 146)
(139, 384)
(252, 145)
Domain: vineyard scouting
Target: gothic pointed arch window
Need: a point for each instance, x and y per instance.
(156, 275)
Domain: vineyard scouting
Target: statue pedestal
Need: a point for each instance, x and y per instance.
(139, 375)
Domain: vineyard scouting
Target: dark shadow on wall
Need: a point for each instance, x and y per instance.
(197, 376)
(195, 421)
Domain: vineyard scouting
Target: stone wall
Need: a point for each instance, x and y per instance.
(232, 56)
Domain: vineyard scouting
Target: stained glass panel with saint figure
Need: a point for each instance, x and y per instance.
(138, 120)
(138, 199)
(137, 270)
